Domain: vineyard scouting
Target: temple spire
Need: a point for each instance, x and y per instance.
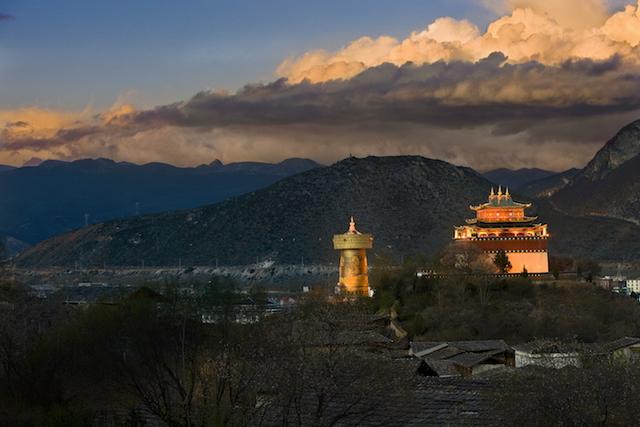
(500, 190)
(507, 193)
(492, 192)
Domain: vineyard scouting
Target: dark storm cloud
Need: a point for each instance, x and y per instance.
(445, 95)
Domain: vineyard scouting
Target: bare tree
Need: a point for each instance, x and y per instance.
(321, 373)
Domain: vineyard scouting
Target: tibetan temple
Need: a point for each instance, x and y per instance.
(501, 224)
(354, 270)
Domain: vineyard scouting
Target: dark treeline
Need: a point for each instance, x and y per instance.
(150, 357)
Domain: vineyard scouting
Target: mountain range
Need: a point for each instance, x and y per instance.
(55, 196)
(409, 203)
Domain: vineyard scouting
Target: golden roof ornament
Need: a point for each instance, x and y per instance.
(352, 227)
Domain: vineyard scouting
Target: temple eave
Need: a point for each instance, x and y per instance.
(527, 220)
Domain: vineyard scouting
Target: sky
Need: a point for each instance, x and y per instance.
(483, 83)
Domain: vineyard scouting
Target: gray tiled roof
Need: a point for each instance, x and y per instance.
(436, 402)
(470, 359)
(465, 351)
(426, 401)
(444, 353)
(619, 343)
(481, 345)
(443, 368)
(420, 346)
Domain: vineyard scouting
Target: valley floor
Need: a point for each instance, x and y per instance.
(267, 274)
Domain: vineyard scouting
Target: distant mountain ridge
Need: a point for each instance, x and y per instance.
(286, 167)
(516, 178)
(53, 197)
(409, 203)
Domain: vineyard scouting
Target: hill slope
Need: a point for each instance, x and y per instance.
(409, 203)
(39, 202)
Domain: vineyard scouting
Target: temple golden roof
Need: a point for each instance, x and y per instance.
(500, 200)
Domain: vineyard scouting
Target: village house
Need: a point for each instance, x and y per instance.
(461, 358)
(617, 283)
(548, 354)
(633, 285)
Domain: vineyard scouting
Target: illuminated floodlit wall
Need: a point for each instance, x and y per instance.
(535, 262)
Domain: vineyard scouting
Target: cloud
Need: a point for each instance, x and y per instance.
(36, 122)
(574, 14)
(533, 30)
(6, 17)
(537, 88)
(387, 109)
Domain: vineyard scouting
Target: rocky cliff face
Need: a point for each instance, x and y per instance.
(624, 146)
(609, 185)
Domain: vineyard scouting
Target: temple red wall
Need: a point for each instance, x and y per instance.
(523, 253)
(500, 214)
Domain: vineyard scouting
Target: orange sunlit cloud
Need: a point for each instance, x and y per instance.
(534, 30)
